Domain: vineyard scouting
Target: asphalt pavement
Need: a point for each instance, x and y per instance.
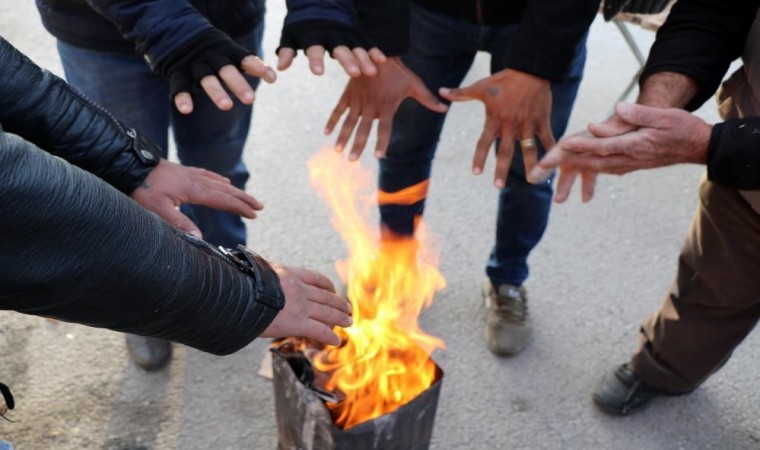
(601, 268)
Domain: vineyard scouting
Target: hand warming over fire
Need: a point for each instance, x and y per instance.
(170, 185)
(637, 137)
(377, 97)
(518, 108)
(311, 307)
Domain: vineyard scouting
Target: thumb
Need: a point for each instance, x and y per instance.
(639, 115)
(461, 94)
(182, 222)
(426, 98)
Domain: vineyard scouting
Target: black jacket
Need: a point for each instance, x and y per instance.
(700, 38)
(154, 28)
(75, 249)
(548, 34)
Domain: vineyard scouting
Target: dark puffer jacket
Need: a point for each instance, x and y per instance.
(76, 249)
(155, 28)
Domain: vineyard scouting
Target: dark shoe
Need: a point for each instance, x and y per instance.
(507, 327)
(621, 392)
(149, 353)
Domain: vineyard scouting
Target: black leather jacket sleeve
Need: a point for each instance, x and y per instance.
(75, 249)
(46, 111)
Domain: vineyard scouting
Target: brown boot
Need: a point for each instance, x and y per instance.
(507, 329)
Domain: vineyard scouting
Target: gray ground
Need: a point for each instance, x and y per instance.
(599, 271)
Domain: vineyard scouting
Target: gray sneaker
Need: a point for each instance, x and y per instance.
(507, 325)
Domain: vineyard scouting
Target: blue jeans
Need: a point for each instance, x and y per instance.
(442, 49)
(207, 138)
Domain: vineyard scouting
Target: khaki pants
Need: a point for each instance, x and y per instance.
(714, 301)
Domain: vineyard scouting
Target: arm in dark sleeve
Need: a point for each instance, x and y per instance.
(385, 23)
(75, 249)
(548, 34)
(158, 28)
(340, 11)
(43, 109)
(733, 155)
(700, 39)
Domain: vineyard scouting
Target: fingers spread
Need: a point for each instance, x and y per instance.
(384, 128)
(216, 92)
(545, 168)
(349, 124)
(313, 278)
(481, 149)
(285, 58)
(237, 84)
(180, 221)
(362, 134)
(184, 102)
(588, 185)
(336, 114)
(316, 55)
(365, 62)
(426, 98)
(347, 60)
(565, 181)
(503, 160)
(253, 65)
(320, 332)
(377, 55)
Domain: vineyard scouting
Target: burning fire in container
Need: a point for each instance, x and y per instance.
(384, 361)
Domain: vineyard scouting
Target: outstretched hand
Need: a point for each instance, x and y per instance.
(518, 108)
(232, 78)
(317, 37)
(636, 137)
(378, 97)
(311, 309)
(170, 185)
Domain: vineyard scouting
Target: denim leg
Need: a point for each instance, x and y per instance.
(441, 52)
(214, 139)
(524, 207)
(123, 84)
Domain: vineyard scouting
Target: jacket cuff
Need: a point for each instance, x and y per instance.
(733, 154)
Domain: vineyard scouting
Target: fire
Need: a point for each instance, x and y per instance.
(384, 361)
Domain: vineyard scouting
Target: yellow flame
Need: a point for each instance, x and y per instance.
(385, 359)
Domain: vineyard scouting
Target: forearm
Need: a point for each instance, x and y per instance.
(43, 109)
(74, 249)
(700, 39)
(667, 90)
(156, 27)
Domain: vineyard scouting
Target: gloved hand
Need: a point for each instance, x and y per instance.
(327, 33)
(209, 53)
(342, 42)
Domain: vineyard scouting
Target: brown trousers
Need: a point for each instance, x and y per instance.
(715, 299)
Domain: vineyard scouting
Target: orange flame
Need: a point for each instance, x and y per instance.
(384, 361)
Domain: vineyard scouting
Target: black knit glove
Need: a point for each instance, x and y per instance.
(329, 34)
(202, 55)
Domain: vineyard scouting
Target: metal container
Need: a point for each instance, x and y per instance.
(305, 423)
